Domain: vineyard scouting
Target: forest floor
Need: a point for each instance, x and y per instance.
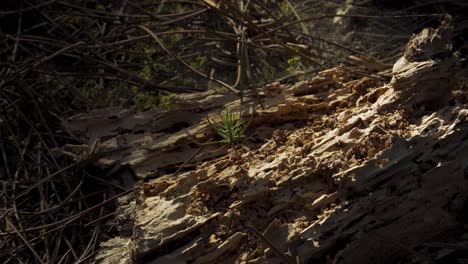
(355, 149)
(356, 165)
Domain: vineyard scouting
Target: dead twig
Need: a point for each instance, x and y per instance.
(269, 244)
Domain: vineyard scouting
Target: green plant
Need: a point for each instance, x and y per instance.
(293, 64)
(231, 128)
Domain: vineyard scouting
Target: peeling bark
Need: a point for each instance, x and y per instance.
(339, 168)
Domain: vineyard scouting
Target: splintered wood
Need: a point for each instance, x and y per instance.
(340, 168)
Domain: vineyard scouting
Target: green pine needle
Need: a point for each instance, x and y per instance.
(231, 128)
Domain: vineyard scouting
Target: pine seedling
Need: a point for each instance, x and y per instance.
(231, 128)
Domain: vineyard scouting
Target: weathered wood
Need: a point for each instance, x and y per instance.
(339, 168)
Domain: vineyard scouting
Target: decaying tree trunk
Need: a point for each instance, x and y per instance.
(339, 168)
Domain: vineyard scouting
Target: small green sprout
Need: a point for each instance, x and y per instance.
(231, 128)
